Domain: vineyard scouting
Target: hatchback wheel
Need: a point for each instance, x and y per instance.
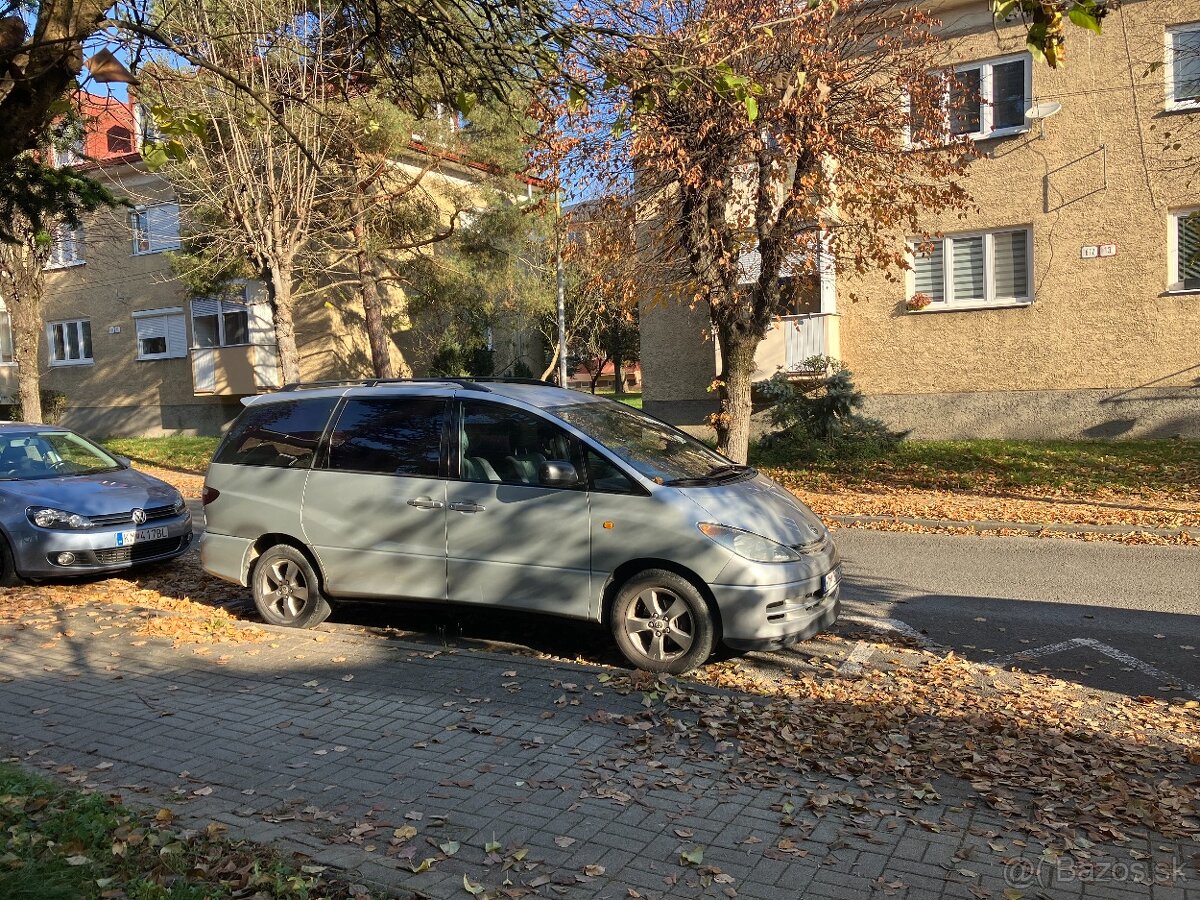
(8, 570)
(661, 623)
(286, 589)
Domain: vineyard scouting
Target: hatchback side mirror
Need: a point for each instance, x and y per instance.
(557, 473)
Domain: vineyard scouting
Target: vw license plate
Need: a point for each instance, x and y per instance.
(830, 582)
(129, 538)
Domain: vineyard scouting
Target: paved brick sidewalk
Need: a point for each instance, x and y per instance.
(327, 743)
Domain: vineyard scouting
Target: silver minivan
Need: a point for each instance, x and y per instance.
(512, 494)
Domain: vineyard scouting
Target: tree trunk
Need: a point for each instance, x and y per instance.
(279, 283)
(618, 378)
(737, 369)
(553, 365)
(21, 287)
(368, 279)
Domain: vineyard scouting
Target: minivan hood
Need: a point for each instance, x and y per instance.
(759, 505)
(104, 493)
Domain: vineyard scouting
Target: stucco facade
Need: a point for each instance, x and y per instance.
(1100, 345)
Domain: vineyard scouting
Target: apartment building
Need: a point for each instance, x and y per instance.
(1068, 305)
(134, 351)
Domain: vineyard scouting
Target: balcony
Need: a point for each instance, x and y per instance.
(235, 371)
(793, 341)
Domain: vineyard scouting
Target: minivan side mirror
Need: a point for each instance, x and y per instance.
(558, 473)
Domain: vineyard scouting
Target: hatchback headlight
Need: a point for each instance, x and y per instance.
(45, 517)
(749, 545)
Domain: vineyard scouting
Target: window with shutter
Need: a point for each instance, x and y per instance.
(220, 323)
(973, 270)
(6, 338)
(161, 333)
(1184, 238)
(155, 228)
(1183, 66)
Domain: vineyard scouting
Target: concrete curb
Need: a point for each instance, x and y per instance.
(1033, 528)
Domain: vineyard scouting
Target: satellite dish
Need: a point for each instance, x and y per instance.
(1041, 111)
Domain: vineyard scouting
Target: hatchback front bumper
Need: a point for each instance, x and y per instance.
(96, 550)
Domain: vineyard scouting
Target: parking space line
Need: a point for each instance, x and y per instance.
(856, 659)
(1108, 650)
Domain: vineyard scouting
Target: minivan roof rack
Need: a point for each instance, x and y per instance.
(473, 383)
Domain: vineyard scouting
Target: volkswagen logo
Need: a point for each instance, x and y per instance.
(138, 516)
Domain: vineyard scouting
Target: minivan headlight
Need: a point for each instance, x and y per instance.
(749, 545)
(46, 517)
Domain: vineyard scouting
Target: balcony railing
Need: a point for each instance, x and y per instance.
(235, 371)
(806, 337)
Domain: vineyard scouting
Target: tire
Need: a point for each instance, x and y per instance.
(8, 569)
(287, 590)
(662, 623)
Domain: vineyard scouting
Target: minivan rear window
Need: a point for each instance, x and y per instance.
(284, 434)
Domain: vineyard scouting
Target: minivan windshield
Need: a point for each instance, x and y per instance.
(655, 449)
(30, 455)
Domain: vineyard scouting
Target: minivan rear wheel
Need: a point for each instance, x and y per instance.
(661, 623)
(286, 589)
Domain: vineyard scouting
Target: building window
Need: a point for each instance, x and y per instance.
(982, 269)
(6, 337)
(119, 139)
(155, 228)
(1183, 251)
(987, 100)
(220, 323)
(70, 342)
(161, 333)
(67, 249)
(1183, 67)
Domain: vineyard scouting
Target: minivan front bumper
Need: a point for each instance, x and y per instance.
(769, 617)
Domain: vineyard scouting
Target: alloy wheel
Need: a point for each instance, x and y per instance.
(286, 589)
(659, 624)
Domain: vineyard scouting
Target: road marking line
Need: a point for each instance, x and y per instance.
(893, 625)
(856, 659)
(1100, 647)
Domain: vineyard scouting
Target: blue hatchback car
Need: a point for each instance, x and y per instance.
(69, 508)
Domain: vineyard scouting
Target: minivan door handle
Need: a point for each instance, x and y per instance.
(426, 503)
(467, 506)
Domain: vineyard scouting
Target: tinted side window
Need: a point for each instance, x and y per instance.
(507, 445)
(277, 434)
(389, 436)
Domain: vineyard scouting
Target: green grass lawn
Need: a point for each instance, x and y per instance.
(191, 454)
(62, 844)
(631, 399)
(1076, 466)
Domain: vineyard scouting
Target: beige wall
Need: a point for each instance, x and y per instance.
(1104, 346)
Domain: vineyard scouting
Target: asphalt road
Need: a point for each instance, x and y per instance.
(1110, 616)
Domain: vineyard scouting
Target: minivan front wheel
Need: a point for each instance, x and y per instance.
(661, 623)
(286, 590)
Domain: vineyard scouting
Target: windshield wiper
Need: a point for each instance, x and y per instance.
(715, 474)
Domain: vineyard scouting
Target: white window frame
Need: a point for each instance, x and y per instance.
(172, 352)
(6, 327)
(990, 301)
(1171, 102)
(1174, 285)
(78, 324)
(223, 306)
(66, 237)
(139, 222)
(985, 132)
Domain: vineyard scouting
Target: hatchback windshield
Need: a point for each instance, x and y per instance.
(654, 448)
(27, 455)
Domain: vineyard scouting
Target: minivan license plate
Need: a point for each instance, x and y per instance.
(830, 582)
(129, 538)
